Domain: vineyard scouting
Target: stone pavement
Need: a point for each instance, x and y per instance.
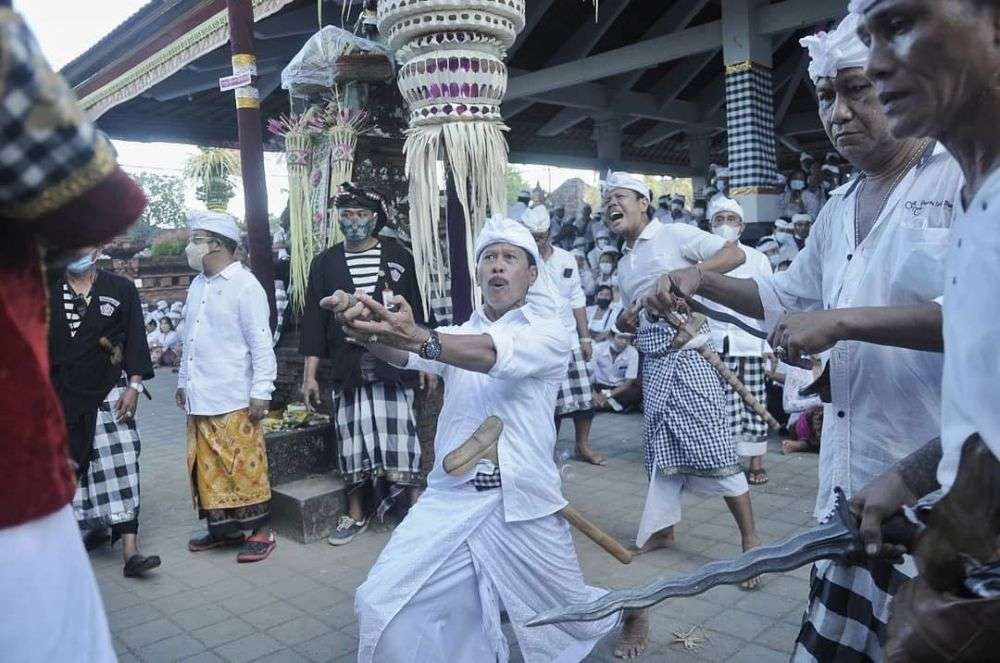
(298, 605)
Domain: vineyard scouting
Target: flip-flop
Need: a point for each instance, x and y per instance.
(256, 551)
(757, 477)
(138, 564)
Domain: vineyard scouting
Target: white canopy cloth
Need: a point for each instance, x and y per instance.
(886, 401)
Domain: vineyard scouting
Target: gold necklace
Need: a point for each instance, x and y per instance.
(888, 194)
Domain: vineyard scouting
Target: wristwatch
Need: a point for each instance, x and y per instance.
(431, 349)
(137, 386)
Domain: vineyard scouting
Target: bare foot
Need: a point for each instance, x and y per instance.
(790, 446)
(752, 583)
(635, 635)
(661, 539)
(592, 457)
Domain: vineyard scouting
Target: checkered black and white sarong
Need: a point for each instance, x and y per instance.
(685, 428)
(848, 611)
(377, 434)
(486, 481)
(109, 494)
(575, 393)
(749, 428)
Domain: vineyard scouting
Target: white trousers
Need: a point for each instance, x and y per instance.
(453, 614)
(663, 500)
(50, 608)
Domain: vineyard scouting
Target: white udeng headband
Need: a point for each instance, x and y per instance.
(829, 52)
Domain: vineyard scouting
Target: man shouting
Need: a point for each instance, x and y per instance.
(488, 536)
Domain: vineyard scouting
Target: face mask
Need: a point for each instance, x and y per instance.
(357, 229)
(727, 232)
(603, 303)
(675, 214)
(81, 264)
(607, 268)
(196, 256)
(797, 185)
(699, 213)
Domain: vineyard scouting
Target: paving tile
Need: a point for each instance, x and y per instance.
(328, 646)
(200, 617)
(223, 632)
(133, 616)
(148, 633)
(758, 654)
(175, 648)
(205, 657)
(299, 630)
(745, 625)
(249, 648)
(272, 614)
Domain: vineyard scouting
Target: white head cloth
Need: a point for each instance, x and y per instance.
(781, 224)
(829, 52)
(620, 180)
(536, 219)
(861, 7)
(498, 230)
(805, 156)
(801, 218)
(219, 223)
(767, 243)
(720, 203)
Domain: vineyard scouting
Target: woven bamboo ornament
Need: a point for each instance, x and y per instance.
(453, 79)
(343, 126)
(298, 131)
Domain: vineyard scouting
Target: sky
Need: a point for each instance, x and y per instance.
(66, 29)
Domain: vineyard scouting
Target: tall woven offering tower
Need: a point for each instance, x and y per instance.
(453, 77)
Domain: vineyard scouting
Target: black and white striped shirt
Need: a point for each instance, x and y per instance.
(364, 268)
(73, 318)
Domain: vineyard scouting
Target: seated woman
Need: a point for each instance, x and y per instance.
(164, 344)
(602, 315)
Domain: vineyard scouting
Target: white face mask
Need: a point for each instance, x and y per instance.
(607, 268)
(727, 232)
(797, 185)
(196, 255)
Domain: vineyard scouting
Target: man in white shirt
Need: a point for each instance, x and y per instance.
(224, 384)
(863, 289)
(948, 61)
(575, 398)
(687, 439)
(616, 373)
(491, 536)
(742, 352)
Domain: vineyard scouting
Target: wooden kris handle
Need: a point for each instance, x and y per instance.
(596, 534)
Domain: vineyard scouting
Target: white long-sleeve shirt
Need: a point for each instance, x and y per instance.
(228, 357)
(565, 276)
(741, 343)
(521, 388)
(971, 331)
(661, 248)
(886, 401)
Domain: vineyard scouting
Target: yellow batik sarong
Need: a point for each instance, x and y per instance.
(227, 461)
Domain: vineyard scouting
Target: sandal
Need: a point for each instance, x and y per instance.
(256, 551)
(207, 542)
(757, 477)
(138, 564)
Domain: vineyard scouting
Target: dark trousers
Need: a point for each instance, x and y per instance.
(81, 431)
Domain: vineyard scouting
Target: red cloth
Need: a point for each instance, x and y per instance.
(38, 478)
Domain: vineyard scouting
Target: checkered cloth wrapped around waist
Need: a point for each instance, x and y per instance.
(486, 481)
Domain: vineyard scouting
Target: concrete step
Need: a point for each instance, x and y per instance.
(297, 454)
(307, 510)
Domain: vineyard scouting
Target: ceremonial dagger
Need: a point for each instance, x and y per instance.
(836, 539)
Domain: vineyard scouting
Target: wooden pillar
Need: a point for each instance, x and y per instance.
(251, 149)
(458, 257)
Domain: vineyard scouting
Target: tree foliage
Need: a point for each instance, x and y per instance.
(515, 183)
(165, 210)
